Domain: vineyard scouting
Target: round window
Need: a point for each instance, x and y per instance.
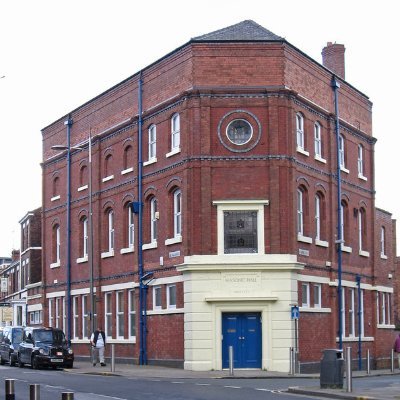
(239, 131)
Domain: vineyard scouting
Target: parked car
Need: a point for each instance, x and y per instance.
(10, 339)
(45, 347)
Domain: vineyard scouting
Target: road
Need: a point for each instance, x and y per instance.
(91, 387)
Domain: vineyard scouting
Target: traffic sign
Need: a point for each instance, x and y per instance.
(295, 312)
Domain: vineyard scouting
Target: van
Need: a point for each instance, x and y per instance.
(9, 344)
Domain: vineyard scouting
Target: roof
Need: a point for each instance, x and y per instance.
(247, 30)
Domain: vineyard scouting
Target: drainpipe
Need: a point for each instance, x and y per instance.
(335, 86)
(142, 289)
(358, 281)
(68, 123)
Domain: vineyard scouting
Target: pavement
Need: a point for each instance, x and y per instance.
(150, 372)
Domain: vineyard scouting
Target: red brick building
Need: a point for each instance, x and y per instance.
(239, 190)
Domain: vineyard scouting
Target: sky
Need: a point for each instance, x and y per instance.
(58, 54)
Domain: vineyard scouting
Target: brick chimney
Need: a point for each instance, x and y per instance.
(333, 58)
(15, 255)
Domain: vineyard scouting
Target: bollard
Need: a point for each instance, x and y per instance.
(349, 377)
(10, 390)
(113, 357)
(392, 361)
(34, 392)
(231, 360)
(291, 361)
(368, 363)
(67, 396)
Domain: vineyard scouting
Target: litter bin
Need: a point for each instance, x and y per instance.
(332, 369)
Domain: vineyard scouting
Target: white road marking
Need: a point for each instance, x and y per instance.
(178, 382)
(203, 384)
(233, 387)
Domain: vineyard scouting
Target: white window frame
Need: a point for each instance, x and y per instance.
(85, 317)
(177, 213)
(305, 294)
(342, 161)
(317, 140)
(51, 313)
(108, 314)
(132, 313)
(111, 232)
(383, 242)
(317, 287)
(383, 309)
(175, 132)
(157, 293)
(300, 212)
(343, 311)
(85, 238)
(352, 311)
(58, 245)
(360, 230)
(317, 217)
(169, 304)
(299, 132)
(57, 303)
(361, 300)
(388, 308)
(360, 160)
(75, 308)
(241, 205)
(119, 314)
(342, 222)
(153, 220)
(131, 227)
(152, 155)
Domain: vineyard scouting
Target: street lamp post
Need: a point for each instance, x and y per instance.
(68, 148)
(68, 123)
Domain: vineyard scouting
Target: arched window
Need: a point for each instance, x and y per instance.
(108, 165)
(152, 142)
(300, 131)
(110, 219)
(130, 226)
(177, 213)
(153, 219)
(302, 211)
(342, 163)
(83, 176)
(317, 140)
(360, 160)
(175, 132)
(319, 216)
(362, 229)
(56, 186)
(84, 237)
(344, 218)
(128, 157)
(383, 242)
(56, 241)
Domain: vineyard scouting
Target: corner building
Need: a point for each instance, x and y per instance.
(239, 210)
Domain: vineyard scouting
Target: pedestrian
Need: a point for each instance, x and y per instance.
(98, 342)
(396, 348)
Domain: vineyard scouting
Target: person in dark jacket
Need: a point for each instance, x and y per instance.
(98, 342)
(396, 348)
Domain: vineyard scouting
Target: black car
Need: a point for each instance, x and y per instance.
(9, 344)
(45, 347)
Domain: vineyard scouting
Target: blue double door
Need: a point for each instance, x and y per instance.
(242, 331)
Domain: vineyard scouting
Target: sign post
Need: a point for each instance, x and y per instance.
(295, 315)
